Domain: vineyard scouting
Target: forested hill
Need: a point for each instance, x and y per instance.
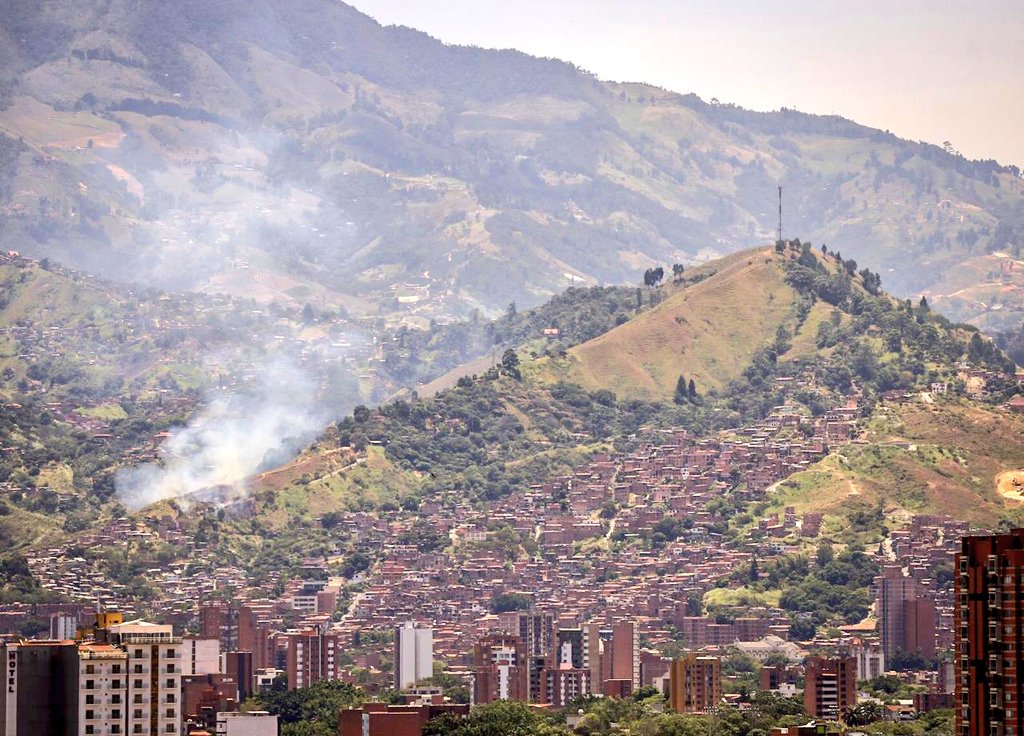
(830, 340)
(302, 153)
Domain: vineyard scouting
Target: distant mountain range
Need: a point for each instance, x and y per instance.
(302, 153)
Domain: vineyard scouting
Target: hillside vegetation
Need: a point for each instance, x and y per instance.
(736, 325)
(920, 457)
(517, 424)
(708, 328)
(301, 153)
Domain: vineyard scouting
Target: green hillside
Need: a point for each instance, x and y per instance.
(708, 328)
(921, 457)
(301, 153)
(490, 433)
(761, 315)
(517, 424)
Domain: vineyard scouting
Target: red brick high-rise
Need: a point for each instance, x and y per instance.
(622, 654)
(989, 629)
(830, 686)
(239, 630)
(536, 633)
(312, 656)
(906, 615)
(695, 684)
(500, 670)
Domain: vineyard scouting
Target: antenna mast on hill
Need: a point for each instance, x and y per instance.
(780, 214)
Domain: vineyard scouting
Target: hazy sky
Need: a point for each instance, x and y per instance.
(933, 70)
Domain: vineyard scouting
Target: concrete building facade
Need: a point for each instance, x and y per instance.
(414, 654)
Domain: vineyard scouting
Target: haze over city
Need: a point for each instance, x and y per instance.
(355, 382)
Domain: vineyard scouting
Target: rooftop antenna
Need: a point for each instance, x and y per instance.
(780, 214)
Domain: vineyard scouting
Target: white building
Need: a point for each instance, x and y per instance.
(63, 626)
(255, 723)
(102, 688)
(154, 676)
(414, 654)
(200, 656)
(870, 660)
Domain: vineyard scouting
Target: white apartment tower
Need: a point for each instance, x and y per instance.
(102, 689)
(154, 676)
(414, 654)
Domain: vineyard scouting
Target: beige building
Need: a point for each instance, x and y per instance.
(154, 676)
(102, 689)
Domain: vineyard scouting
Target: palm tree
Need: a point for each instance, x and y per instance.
(862, 714)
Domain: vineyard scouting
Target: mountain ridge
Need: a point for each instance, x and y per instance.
(251, 142)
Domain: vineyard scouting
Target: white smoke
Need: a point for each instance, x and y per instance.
(233, 437)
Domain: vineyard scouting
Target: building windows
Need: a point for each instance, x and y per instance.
(116, 698)
(170, 653)
(90, 669)
(90, 700)
(116, 713)
(138, 669)
(170, 669)
(138, 654)
(116, 669)
(170, 682)
(90, 714)
(116, 684)
(138, 684)
(137, 714)
(170, 712)
(90, 685)
(89, 729)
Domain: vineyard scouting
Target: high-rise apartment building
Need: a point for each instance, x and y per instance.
(153, 677)
(221, 622)
(561, 685)
(200, 656)
(989, 629)
(63, 626)
(870, 659)
(906, 615)
(536, 632)
(414, 654)
(500, 670)
(239, 629)
(103, 689)
(312, 656)
(238, 666)
(126, 681)
(830, 686)
(621, 654)
(695, 684)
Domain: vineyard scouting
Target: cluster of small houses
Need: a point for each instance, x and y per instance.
(675, 476)
(586, 562)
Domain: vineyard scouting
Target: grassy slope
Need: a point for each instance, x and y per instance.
(707, 331)
(920, 458)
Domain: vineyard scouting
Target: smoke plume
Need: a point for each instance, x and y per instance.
(234, 436)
